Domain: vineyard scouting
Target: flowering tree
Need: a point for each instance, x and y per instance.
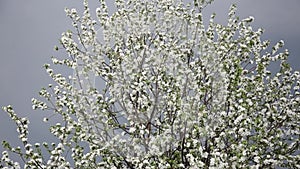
(153, 88)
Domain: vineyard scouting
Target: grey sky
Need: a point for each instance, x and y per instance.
(29, 30)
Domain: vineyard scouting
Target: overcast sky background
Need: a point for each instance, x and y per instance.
(29, 29)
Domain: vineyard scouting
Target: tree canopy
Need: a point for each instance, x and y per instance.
(154, 87)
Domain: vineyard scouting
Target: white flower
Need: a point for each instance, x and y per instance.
(132, 129)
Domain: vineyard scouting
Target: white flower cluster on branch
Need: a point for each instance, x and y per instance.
(153, 87)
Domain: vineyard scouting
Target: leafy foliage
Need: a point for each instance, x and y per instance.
(154, 88)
